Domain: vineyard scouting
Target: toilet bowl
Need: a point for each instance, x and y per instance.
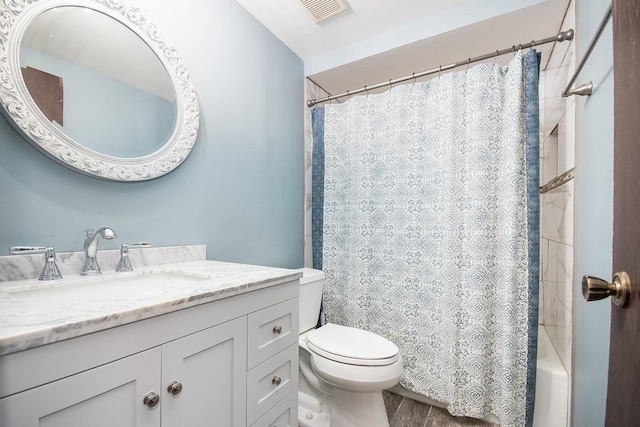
(343, 370)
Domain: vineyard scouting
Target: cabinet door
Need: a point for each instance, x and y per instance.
(210, 366)
(106, 396)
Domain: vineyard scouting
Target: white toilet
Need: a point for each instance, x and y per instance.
(342, 370)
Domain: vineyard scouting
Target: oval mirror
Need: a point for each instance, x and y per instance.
(94, 86)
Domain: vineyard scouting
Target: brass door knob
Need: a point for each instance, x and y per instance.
(594, 288)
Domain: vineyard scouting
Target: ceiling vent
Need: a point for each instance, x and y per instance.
(323, 9)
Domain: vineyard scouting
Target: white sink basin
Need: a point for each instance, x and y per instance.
(104, 289)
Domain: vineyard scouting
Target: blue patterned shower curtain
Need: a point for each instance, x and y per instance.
(425, 221)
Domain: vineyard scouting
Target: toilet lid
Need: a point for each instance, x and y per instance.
(351, 345)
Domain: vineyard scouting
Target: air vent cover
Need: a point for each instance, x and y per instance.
(323, 9)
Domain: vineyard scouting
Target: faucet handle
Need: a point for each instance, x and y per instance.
(139, 245)
(125, 264)
(20, 250)
(50, 270)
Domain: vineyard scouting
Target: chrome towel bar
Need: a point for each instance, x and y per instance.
(587, 88)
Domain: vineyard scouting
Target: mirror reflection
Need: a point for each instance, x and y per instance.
(105, 89)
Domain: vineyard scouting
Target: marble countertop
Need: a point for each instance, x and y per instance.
(26, 324)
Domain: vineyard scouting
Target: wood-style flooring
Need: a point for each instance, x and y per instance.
(405, 412)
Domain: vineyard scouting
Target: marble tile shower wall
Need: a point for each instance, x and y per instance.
(557, 136)
(557, 155)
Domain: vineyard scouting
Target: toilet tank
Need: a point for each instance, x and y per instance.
(311, 284)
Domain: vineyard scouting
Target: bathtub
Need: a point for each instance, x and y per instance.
(552, 386)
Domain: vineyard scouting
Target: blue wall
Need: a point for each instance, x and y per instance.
(594, 216)
(240, 192)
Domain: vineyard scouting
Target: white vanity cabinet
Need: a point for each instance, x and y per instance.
(231, 362)
(103, 396)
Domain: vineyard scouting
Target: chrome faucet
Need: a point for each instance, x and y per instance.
(125, 264)
(91, 266)
(50, 270)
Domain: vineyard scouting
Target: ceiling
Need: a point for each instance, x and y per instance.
(380, 20)
(292, 24)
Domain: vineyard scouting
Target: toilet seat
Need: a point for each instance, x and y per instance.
(352, 346)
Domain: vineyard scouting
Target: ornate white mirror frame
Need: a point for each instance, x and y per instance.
(22, 113)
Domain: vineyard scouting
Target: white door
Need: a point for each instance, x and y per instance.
(204, 377)
(106, 396)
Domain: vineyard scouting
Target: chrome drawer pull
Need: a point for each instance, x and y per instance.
(151, 400)
(276, 380)
(174, 388)
(277, 329)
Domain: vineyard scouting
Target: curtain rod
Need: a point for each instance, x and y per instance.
(563, 36)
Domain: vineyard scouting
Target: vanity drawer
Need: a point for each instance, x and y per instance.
(271, 330)
(269, 382)
(284, 414)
